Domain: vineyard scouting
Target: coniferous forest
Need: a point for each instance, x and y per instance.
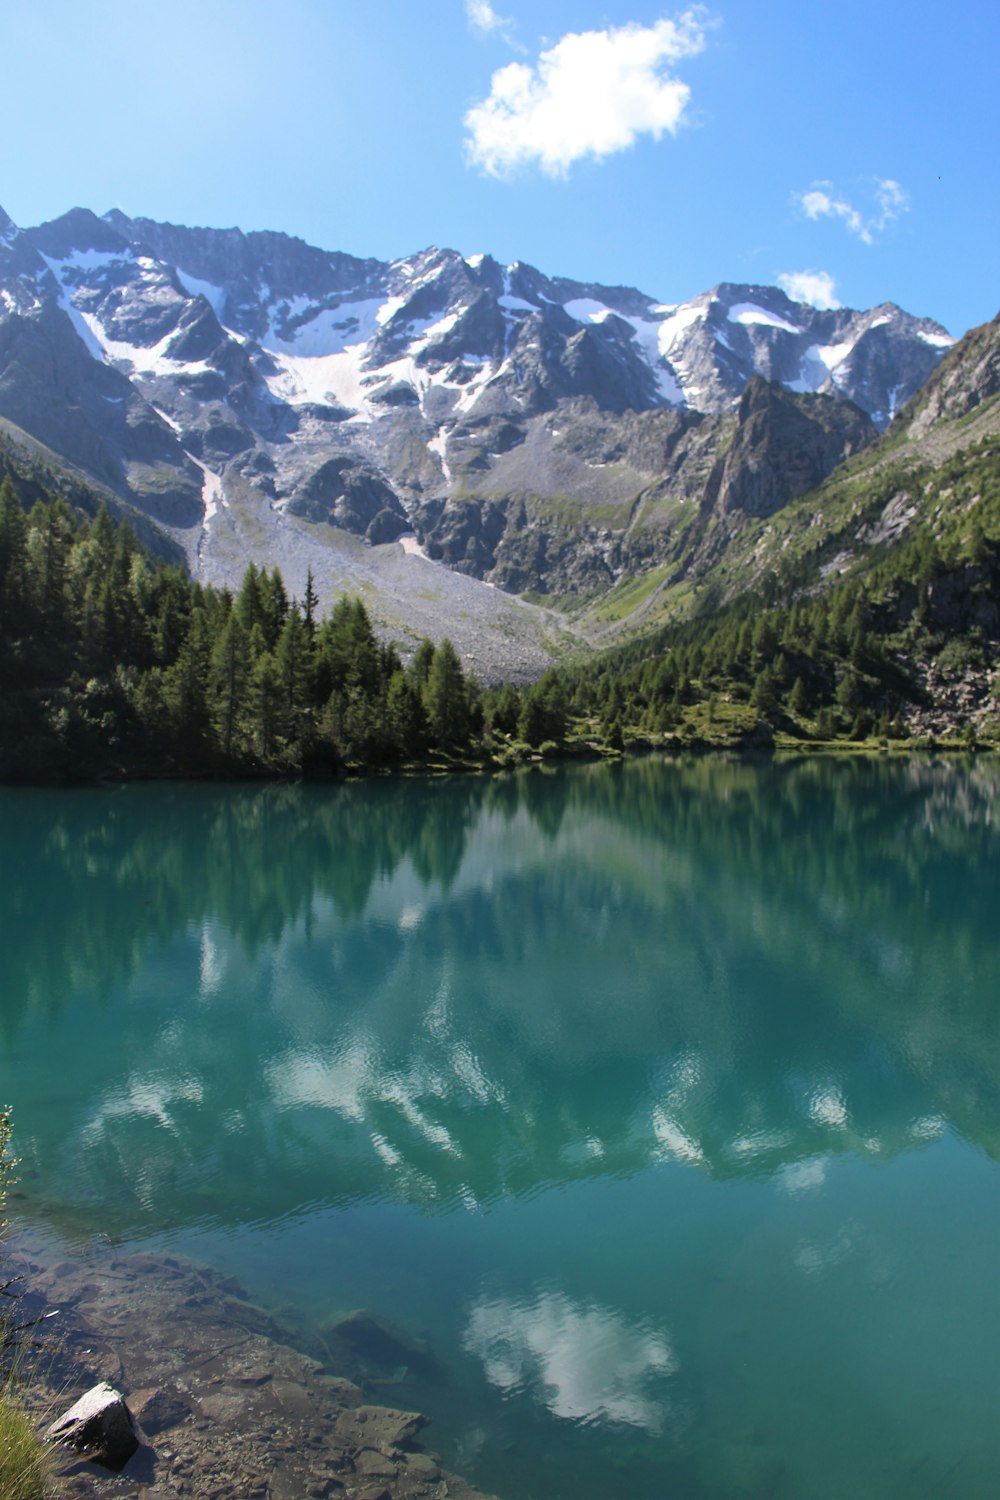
(114, 662)
(111, 660)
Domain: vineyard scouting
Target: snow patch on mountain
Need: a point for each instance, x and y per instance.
(749, 314)
(86, 261)
(439, 445)
(822, 363)
(677, 322)
(152, 360)
(330, 331)
(319, 380)
(649, 338)
(214, 295)
(587, 310)
(212, 497)
(517, 304)
(936, 340)
(90, 341)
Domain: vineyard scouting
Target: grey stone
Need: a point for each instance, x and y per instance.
(100, 1426)
(159, 1408)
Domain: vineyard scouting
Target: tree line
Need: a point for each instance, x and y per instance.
(110, 658)
(852, 660)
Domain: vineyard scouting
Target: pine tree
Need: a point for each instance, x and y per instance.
(310, 605)
(445, 699)
(293, 666)
(230, 682)
(185, 691)
(13, 558)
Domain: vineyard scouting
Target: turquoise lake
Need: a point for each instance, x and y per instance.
(658, 1105)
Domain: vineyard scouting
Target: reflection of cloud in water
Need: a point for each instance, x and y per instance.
(802, 1176)
(758, 1143)
(211, 964)
(814, 1257)
(587, 1362)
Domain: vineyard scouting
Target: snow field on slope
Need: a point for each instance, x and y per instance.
(749, 315)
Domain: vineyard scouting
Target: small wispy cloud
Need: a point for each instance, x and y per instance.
(590, 95)
(815, 287)
(482, 17)
(891, 202)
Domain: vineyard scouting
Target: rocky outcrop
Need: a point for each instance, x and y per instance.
(967, 378)
(100, 1426)
(345, 493)
(784, 445)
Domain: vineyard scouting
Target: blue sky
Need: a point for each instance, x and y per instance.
(850, 148)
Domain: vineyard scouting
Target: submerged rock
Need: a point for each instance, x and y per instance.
(379, 1346)
(378, 1427)
(159, 1408)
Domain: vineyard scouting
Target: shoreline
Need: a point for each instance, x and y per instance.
(583, 754)
(227, 1408)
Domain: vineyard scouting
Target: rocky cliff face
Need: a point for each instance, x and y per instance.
(535, 432)
(783, 445)
(964, 384)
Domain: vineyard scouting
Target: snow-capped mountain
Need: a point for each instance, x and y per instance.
(505, 417)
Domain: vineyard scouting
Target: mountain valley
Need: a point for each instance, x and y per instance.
(464, 444)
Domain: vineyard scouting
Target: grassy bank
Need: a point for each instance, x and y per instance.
(23, 1468)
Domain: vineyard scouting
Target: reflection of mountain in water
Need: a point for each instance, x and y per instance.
(447, 992)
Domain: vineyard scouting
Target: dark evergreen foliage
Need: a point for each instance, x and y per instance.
(917, 629)
(112, 662)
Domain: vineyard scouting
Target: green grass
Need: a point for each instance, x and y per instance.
(626, 597)
(23, 1468)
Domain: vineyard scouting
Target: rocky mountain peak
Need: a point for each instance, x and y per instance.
(76, 233)
(534, 430)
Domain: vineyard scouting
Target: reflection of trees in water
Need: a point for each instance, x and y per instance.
(92, 879)
(737, 965)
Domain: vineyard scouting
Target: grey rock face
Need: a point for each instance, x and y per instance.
(965, 381)
(350, 495)
(783, 446)
(534, 431)
(100, 1426)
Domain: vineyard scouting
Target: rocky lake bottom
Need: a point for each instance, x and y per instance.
(227, 1409)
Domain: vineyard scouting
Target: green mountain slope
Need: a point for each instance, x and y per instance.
(895, 488)
(869, 606)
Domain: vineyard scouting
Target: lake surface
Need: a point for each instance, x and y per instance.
(656, 1106)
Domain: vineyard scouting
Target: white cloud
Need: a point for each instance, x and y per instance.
(891, 198)
(893, 201)
(818, 204)
(489, 23)
(815, 287)
(482, 16)
(590, 94)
